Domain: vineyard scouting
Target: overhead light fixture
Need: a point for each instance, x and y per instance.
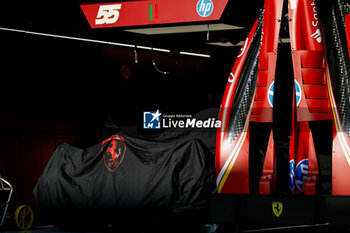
(183, 29)
(154, 49)
(67, 37)
(195, 54)
(222, 44)
(100, 42)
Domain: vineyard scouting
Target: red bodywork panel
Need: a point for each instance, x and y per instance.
(308, 62)
(232, 158)
(347, 29)
(143, 13)
(267, 184)
(262, 107)
(306, 150)
(317, 99)
(341, 141)
(311, 99)
(340, 151)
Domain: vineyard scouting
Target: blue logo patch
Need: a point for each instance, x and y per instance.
(151, 120)
(297, 92)
(301, 172)
(291, 175)
(270, 93)
(205, 8)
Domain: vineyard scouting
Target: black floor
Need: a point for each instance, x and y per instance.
(324, 228)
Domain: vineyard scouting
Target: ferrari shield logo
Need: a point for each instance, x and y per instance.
(113, 150)
(277, 208)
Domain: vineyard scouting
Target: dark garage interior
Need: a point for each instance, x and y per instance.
(63, 82)
(58, 90)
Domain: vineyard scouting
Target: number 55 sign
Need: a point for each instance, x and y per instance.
(150, 12)
(108, 14)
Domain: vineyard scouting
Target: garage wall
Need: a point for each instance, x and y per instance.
(28, 142)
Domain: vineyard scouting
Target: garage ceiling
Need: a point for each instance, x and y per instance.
(65, 18)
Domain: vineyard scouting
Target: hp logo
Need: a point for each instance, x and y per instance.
(205, 8)
(301, 172)
(270, 93)
(297, 92)
(291, 174)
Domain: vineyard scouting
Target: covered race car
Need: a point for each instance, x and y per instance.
(127, 181)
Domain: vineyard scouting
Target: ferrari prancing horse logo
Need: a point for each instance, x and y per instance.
(277, 208)
(113, 150)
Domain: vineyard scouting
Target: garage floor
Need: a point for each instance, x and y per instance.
(288, 229)
(39, 229)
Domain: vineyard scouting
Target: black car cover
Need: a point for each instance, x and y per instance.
(128, 179)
